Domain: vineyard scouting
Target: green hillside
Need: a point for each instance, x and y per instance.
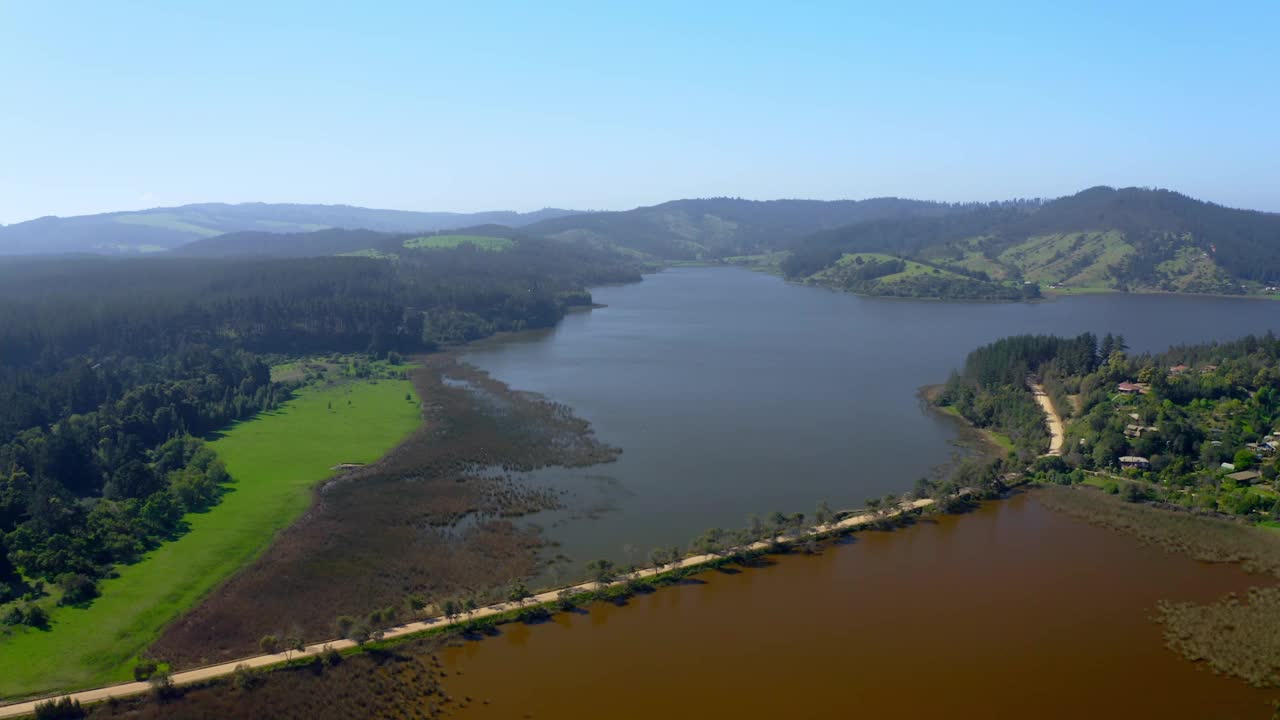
(482, 242)
(1100, 240)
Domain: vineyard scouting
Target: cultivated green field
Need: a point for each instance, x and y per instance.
(275, 459)
(483, 242)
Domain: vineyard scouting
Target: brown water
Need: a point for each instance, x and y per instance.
(1009, 612)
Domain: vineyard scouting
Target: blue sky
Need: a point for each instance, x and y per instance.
(470, 106)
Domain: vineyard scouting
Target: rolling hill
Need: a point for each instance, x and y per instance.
(721, 227)
(1101, 239)
(160, 229)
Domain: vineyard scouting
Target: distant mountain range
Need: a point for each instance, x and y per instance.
(167, 228)
(1099, 239)
(718, 227)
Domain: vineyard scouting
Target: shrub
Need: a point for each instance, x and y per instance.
(246, 678)
(269, 644)
(533, 614)
(63, 708)
(144, 670)
(332, 657)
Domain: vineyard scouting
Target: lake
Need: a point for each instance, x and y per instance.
(733, 392)
(1012, 611)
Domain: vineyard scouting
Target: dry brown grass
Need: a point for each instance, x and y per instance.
(1236, 636)
(1210, 539)
(429, 519)
(404, 683)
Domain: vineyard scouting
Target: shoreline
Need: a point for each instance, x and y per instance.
(438, 623)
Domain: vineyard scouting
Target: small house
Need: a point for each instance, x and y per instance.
(1208, 369)
(1137, 431)
(1245, 476)
(1178, 369)
(1135, 462)
(1229, 467)
(1129, 388)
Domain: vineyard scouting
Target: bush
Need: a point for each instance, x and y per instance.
(162, 687)
(246, 678)
(1133, 492)
(77, 589)
(332, 657)
(533, 614)
(269, 644)
(61, 709)
(144, 670)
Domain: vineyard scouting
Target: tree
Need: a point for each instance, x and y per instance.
(470, 606)
(451, 609)
(1244, 459)
(822, 514)
(343, 624)
(294, 642)
(602, 571)
(361, 632)
(658, 557)
(63, 708)
(518, 593)
(269, 644)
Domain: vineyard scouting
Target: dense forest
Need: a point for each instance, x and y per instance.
(111, 369)
(991, 391)
(1193, 427)
(171, 227)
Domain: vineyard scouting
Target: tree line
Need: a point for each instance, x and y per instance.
(112, 369)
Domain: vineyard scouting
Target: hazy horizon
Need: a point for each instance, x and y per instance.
(589, 107)
(584, 210)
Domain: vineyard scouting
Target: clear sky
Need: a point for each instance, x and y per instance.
(603, 105)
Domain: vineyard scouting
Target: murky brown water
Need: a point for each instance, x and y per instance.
(1009, 612)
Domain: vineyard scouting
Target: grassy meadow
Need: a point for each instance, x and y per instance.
(274, 459)
(482, 242)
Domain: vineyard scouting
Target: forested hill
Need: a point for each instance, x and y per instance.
(720, 227)
(1128, 239)
(112, 368)
(1196, 427)
(166, 228)
(332, 241)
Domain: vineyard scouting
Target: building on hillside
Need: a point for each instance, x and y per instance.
(1178, 369)
(1135, 462)
(1208, 369)
(1260, 449)
(1245, 476)
(1229, 467)
(1129, 388)
(1136, 431)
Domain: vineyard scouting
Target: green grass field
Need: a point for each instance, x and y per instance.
(371, 253)
(912, 270)
(275, 459)
(483, 242)
(167, 221)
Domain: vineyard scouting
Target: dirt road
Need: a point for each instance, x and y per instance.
(1051, 417)
(227, 668)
